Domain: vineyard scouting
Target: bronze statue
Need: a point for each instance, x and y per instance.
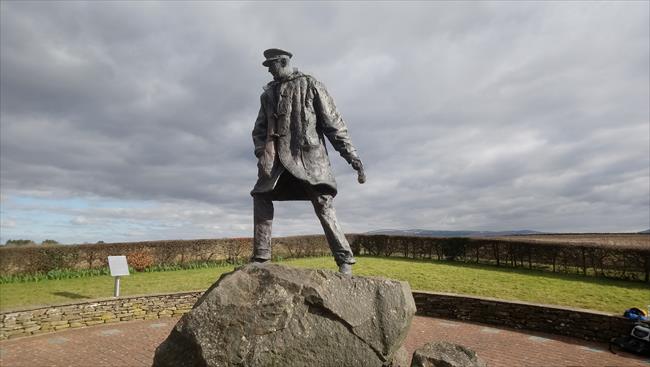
(296, 114)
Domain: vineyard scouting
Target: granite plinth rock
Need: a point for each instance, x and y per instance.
(274, 315)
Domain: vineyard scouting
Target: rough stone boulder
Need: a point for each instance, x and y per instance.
(273, 315)
(443, 354)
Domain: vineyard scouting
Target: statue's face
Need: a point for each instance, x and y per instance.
(278, 70)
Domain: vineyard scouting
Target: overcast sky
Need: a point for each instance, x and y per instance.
(128, 121)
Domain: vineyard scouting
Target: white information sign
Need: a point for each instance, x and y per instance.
(118, 266)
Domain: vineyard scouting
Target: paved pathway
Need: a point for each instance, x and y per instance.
(132, 344)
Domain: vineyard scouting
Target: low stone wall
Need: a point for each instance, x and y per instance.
(16, 324)
(578, 323)
(584, 324)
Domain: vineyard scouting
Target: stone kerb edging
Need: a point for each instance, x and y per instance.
(584, 324)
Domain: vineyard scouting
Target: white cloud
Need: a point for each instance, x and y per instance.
(7, 223)
(79, 220)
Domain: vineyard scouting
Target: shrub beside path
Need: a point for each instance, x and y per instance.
(132, 344)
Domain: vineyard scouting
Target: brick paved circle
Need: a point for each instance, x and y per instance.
(132, 344)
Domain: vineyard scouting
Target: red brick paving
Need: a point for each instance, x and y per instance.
(132, 344)
(509, 347)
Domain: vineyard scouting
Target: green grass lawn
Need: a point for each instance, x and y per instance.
(497, 282)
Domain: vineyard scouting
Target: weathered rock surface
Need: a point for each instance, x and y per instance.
(273, 315)
(401, 358)
(443, 354)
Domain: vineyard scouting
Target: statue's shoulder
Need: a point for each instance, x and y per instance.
(314, 84)
(311, 80)
(297, 77)
(300, 77)
(266, 88)
(317, 85)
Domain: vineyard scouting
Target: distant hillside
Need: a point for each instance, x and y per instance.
(431, 233)
(647, 231)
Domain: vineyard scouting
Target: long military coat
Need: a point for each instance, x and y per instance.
(295, 115)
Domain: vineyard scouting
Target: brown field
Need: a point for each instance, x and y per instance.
(613, 240)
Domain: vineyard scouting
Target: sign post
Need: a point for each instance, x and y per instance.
(119, 268)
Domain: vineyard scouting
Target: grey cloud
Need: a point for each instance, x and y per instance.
(479, 116)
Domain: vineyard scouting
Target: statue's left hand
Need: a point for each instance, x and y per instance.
(361, 176)
(358, 166)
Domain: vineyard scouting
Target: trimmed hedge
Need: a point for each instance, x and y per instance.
(39, 259)
(608, 260)
(630, 262)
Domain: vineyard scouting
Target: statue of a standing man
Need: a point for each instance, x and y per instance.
(296, 115)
